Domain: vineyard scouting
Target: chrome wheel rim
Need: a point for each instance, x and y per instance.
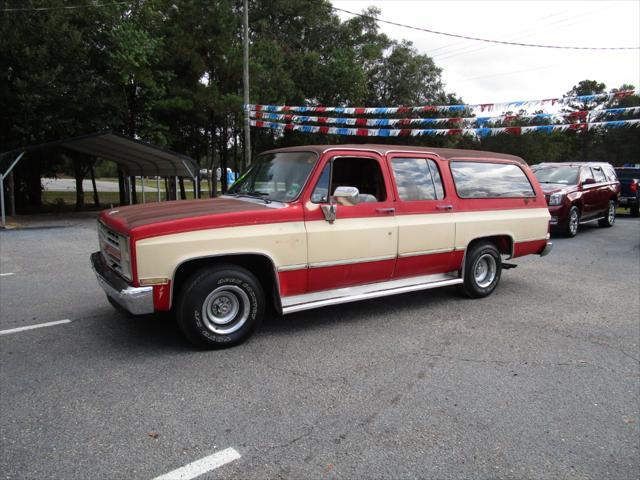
(612, 212)
(573, 222)
(226, 309)
(484, 270)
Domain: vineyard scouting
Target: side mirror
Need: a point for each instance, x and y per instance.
(347, 196)
(588, 181)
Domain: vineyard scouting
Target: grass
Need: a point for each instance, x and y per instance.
(62, 199)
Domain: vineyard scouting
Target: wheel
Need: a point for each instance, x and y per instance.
(483, 266)
(220, 306)
(573, 221)
(634, 210)
(610, 217)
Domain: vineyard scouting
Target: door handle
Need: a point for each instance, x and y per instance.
(444, 207)
(386, 210)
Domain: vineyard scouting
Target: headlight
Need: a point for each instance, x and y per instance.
(555, 199)
(125, 263)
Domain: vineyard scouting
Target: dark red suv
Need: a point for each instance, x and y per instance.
(579, 193)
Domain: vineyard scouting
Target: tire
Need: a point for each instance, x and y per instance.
(572, 224)
(634, 210)
(610, 216)
(483, 267)
(220, 306)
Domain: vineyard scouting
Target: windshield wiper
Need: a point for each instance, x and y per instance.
(253, 194)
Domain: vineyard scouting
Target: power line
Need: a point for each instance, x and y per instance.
(62, 7)
(477, 39)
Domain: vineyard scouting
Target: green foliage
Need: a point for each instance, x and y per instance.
(171, 73)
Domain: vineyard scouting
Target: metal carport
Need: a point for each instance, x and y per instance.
(135, 157)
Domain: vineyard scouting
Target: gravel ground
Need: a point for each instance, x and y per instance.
(540, 380)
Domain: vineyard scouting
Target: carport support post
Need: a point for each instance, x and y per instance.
(3, 217)
(4, 220)
(130, 194)
(177, 187)
(142, 183)
(158, 187)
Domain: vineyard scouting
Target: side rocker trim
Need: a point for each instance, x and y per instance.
(325, 298)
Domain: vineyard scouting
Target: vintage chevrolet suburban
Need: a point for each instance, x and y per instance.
(313, 226)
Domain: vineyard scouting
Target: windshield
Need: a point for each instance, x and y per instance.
(561, 175)
(275, 176)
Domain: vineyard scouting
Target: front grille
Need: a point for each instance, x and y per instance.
(114, 250)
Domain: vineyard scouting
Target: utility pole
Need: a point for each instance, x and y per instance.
(245, 81)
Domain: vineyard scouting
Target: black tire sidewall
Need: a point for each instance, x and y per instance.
(471, 288)
(196, 290)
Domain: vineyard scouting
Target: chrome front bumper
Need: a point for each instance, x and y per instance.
(135, 300)
(547, 249)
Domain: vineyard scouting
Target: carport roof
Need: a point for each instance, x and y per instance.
(134, 156)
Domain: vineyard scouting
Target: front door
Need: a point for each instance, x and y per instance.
(360, 245)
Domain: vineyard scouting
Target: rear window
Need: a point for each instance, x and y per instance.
(490, 180)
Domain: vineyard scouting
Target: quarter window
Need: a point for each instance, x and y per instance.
(417, 179)
(490, 180)
(610, 173)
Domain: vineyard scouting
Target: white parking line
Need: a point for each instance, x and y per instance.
(202, 466)
(31, 327)
(6, 274)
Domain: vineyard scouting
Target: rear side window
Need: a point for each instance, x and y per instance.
(490, 180)
(598, 175)
(417, 179)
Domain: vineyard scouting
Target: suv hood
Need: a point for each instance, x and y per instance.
(163, 218)
(549, 188)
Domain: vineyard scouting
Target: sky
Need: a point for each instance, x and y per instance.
(484, 73)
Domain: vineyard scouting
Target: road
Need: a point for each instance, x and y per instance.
(540, 380)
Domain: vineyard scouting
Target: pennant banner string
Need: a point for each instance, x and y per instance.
(467, 121)
(523, 104)
(408, 132)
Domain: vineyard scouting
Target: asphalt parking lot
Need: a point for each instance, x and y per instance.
(540, 380)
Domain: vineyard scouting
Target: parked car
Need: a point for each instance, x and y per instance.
(309, 226)
(579, 193)
(629, 193)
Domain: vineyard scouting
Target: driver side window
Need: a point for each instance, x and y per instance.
(585, 174)
(363, 173)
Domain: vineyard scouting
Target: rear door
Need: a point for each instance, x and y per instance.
(360, 245)
(590, 196)
(424, 208)
(603, 191)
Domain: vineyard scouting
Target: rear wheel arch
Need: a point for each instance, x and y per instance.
(260, 265)
(504, 242)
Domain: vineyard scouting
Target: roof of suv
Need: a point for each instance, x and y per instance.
(572, 164)
(445, 153)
